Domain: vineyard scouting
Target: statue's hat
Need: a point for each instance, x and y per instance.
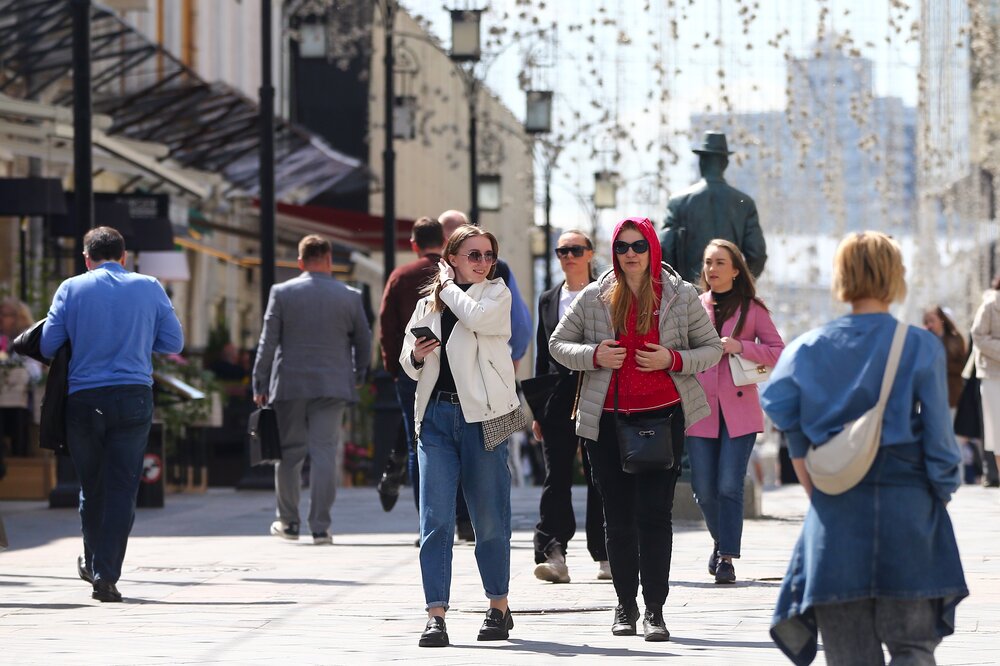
(715, 143)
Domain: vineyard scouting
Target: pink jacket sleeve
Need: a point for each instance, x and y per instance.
(762, 344)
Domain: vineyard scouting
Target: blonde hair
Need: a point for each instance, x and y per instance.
(22, 314)
(621, 299)
(460, 235)
(869, 264)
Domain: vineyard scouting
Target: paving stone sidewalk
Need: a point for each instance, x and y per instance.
(204, 583)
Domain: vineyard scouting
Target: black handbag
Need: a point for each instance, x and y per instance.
(645, 442)
(969, 410)
(262, 431)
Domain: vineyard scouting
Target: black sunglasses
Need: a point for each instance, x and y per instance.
(577, 250)
(639, 247)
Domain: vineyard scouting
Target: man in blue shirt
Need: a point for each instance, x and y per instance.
(113, 321)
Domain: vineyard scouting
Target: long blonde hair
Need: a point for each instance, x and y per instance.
(464, 232)
(621, 298)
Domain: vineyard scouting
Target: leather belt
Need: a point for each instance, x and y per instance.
(447, 397)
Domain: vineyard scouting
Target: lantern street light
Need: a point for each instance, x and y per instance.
(605, 189)
(538, 116)
(466, 52)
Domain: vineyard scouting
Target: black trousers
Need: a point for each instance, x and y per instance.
(15, 425)
(638, 516)
(557, 522)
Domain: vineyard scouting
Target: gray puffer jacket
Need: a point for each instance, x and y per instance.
(684, 327)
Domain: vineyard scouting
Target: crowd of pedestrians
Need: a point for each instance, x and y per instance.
(638, 367)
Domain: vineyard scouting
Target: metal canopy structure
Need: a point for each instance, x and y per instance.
(151, 96)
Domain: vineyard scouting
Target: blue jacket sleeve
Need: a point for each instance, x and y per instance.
(941, 453)
(169, 335)
(54, 333)
(520, 322)
(781, 400)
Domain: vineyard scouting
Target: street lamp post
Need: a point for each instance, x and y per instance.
(266, 166)
(465, 50)
(388, 8)
(83, 199)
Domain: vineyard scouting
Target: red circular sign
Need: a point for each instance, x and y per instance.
(152, 468)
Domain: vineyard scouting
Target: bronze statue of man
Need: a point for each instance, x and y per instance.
(711, 208)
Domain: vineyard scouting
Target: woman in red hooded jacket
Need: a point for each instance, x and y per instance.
(639, 334)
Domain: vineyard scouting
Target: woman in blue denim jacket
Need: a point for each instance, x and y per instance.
(878, 563)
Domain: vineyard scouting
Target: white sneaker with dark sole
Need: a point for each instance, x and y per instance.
(604, 570)
(553, 570)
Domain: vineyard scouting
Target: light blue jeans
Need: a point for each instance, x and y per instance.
(450, 450)
(718, 467)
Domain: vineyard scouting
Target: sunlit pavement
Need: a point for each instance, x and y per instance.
(205, 583)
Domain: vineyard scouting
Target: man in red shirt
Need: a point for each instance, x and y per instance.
(402, 291)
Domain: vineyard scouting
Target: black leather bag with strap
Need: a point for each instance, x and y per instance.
(645, 442)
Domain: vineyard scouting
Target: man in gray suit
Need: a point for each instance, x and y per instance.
(313, 353)
(711, 208)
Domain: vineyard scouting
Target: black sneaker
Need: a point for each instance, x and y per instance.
(725, 573)
(625, 619)
(435, 633)
(288, 531)
(496, 626)
(713, 561)
(653, 627)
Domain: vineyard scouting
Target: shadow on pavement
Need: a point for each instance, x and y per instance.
(46, 606)
(563, 650)
(721, 644)
(158, 602)
(302, 581)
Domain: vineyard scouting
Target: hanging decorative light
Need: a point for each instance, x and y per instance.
(465, 42)
(605, 189)
(538, 117)
(488, 186)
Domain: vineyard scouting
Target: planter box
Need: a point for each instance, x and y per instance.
(28, 478)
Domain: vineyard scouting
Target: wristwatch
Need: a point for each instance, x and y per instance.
(416, 364)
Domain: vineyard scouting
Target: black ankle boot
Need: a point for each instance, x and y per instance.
(625, 619)
(654, 629)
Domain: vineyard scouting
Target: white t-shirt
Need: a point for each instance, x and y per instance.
(565, 298)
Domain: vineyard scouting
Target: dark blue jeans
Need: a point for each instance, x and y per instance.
(718, 467)
(107, 429)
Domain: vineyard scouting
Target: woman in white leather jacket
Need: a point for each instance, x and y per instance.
(459, 386)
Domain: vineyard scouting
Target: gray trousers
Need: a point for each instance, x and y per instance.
(308, 426)
(853, 632)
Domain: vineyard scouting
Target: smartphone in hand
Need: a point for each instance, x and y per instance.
(424, 332)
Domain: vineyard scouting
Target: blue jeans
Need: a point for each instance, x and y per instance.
(451, 450)
(718, 467)
(107, 429)
(406, 395)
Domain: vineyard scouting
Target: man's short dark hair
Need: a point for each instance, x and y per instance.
(314, 247)
(103, 244)
(427, 233)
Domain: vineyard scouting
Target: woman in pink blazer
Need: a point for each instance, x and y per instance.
(719, 445)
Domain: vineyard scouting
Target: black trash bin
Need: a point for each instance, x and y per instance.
(153, 483)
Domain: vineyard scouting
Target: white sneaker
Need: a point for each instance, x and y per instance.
(554, 569)
(604, 570)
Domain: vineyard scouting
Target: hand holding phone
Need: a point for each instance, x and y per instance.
(424, 332)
